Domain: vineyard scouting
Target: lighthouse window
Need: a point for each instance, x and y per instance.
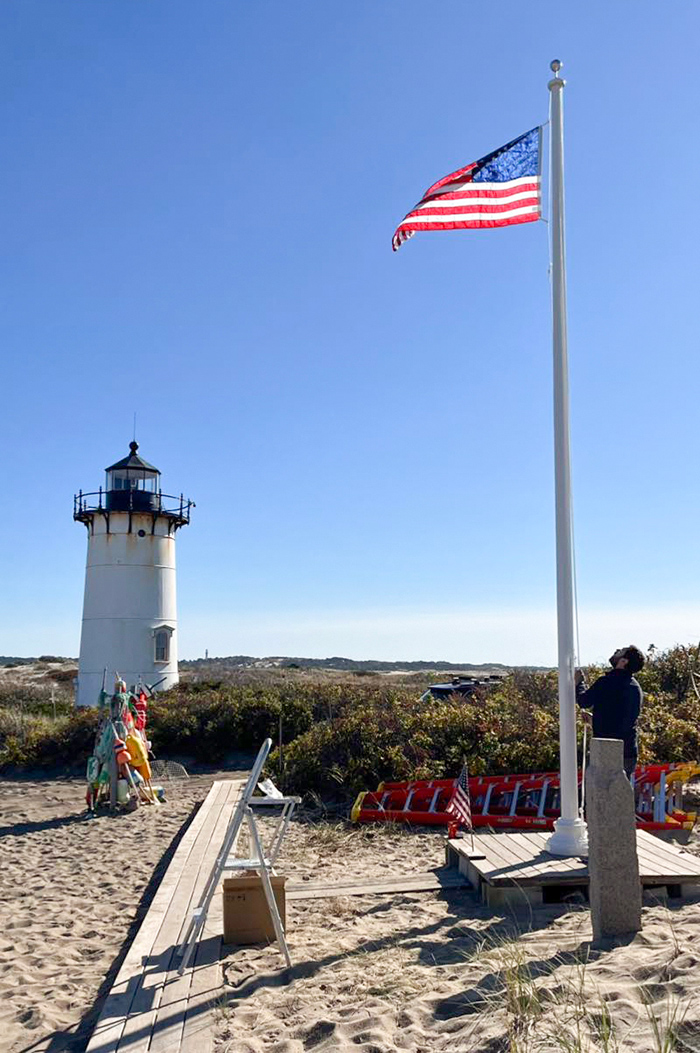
(162, 641)
(124, 482)
(130, 481)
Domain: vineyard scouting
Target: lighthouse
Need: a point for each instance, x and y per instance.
(129, 609)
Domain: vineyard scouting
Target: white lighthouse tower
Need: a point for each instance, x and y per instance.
(129, 610)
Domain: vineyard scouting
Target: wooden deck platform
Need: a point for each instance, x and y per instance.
(515, 870)
(150, 1009)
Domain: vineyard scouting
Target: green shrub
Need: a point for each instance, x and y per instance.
(40, 741)
(668, 731)
(345, 734)
(399, 738)
(35, 698)
(207, 721)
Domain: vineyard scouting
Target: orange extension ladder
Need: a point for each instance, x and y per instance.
(523, 802)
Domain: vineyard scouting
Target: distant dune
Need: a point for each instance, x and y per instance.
(48, 670)
(63, 670)
(344, 665)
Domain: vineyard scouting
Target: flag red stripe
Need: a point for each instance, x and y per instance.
(453, 177)
(459, 803)
(504, 221)
(460, 807)
(485, 190)
(486, 206)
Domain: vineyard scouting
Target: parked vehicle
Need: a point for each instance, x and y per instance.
(461, 685)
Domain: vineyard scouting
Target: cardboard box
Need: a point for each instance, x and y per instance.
(246, 913)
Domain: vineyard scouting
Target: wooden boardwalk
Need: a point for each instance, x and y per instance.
(150, 1009)
(515, 869)
(429, 881)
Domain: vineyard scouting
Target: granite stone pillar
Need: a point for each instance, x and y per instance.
(615, 889)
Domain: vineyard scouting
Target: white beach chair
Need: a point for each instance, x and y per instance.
(260, 861)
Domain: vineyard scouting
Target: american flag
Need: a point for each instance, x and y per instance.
(459, 804)
(501, 189)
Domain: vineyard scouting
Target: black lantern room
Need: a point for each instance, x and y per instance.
(132, 484)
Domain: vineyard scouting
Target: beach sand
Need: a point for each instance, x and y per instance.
(434, 971)
(73, 892)
(416, 972)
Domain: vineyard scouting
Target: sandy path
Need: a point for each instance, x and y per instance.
(72, 895)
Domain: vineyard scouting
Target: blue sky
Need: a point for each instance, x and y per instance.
(198, 203)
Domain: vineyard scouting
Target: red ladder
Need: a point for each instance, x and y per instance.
(522, 802)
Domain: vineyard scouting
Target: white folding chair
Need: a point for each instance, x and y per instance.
(260, 861)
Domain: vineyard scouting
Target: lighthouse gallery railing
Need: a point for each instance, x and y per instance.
(132, 501)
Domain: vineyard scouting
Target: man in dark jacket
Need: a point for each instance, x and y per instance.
(616, 701)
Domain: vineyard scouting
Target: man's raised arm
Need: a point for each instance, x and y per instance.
(586, 696)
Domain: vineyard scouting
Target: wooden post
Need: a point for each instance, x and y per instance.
(281, 751)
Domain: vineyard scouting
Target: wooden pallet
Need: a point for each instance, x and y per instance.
(431, 880)
(515, 870)
(150, 1009)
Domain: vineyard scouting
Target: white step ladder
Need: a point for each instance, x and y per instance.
(260, 861)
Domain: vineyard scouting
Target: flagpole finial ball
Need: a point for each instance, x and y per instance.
(555, 65)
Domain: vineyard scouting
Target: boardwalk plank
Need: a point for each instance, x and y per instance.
(660, 855)
(150, 1009)
(139, 1027)
(136, 1035)
(511, 859)
(432, 880)
(538, 842)
(520, 859)
(177, 997)
(108, 1031)
(197, 1033)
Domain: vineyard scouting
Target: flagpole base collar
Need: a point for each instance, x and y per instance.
(570, 838)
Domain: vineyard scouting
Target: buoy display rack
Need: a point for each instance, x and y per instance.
(119, 770)
(524, 802)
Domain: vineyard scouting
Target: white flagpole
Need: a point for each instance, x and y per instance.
(570, 836)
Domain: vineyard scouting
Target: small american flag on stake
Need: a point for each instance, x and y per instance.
(459, 804)
(501, 189)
